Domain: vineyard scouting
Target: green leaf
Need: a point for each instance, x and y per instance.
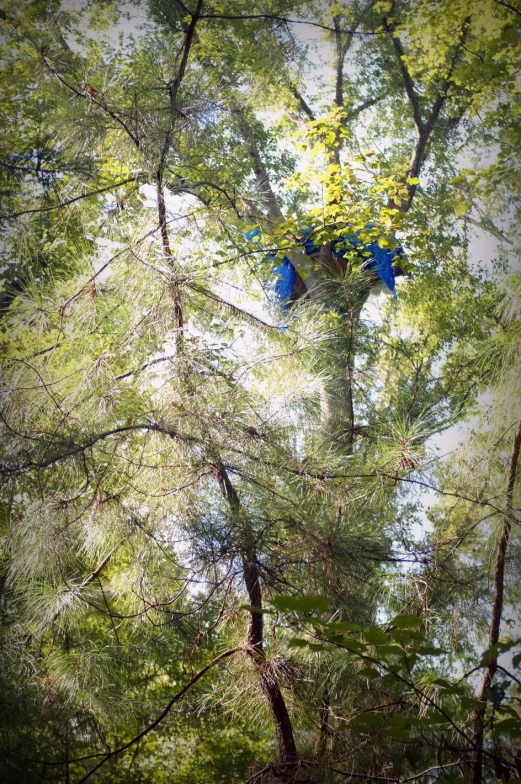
(453, 686)
(343, 626)
(470, 703)
(398, 722)
(436, 718)
(376, 636)
(368, 672)
(510, 727)
(384, 651)
(503, 646)
(299, 642)
(429, 650)
(355, 646)
(406, 621)
(461, 207)
(372, 719)
(304, 604)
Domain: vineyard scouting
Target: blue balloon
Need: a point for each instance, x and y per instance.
(285, 275)
(379, 260)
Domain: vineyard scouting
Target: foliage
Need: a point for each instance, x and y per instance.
(236, 546)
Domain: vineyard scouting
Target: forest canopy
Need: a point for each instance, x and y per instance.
(260, 330)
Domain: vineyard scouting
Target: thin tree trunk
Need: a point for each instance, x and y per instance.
(326, 734)
(176, 294)
(497, 610)
(173, 91)
(268, 684)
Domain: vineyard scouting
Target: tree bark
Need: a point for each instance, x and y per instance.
(167, 250)
(268, 684)
(326, 733)
(497, 610)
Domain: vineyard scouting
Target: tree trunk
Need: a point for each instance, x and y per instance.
(176, 294)
(268, 684)
(497, 610)
(326, 732)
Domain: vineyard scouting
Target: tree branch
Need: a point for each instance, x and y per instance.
(92, 98)
(180, 694)
(507, 5)
(341, 48)
(408, 83)
(189, 39)
(266, 193)
(353, 114)
(70, 201)
(286, 20)
(303, 104)
(488, 226)
(252, 579)
(77, 449)
(424, 129)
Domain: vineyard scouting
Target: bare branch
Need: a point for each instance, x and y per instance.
(507, 5)
(286, 20)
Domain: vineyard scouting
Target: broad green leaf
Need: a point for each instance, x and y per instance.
(376, 636)
(406, 621)
(510, 727)
(304, 604)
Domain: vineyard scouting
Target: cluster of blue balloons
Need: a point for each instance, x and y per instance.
(375, 258)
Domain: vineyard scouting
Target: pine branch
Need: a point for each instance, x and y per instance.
(70, 201)
(179, 696)
(73, 450)
(233, 308)
(92, 98)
